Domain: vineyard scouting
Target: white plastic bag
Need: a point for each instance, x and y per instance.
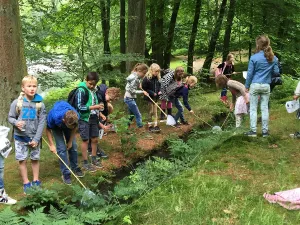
(5, 146)
(292, 106)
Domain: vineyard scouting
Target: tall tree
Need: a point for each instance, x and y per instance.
(227, 36)
(250, 29)
(170, 37)
(214, 37)
(105, 22)
(136, 30)
(156, 29)
(193, 37)
(122, 33)
(12, 60)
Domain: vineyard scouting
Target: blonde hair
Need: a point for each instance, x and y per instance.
(229, 56)
(71, 118)
(263, 44)
(191, 80)
(29, 78)
(221, 81)
(113, 93)
(153, 67)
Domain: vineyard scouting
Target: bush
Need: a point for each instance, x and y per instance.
(286, 90)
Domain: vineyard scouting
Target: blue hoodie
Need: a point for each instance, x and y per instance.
(57, 113)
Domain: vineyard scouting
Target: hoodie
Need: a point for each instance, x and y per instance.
(34, 120)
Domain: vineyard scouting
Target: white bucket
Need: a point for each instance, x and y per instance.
(245, 74)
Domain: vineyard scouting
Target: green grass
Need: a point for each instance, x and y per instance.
(227, 184)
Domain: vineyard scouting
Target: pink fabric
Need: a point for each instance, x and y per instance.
(241, 106)
(166, 104)
(289, 199)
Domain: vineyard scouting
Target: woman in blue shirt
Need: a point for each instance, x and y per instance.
(261, 65)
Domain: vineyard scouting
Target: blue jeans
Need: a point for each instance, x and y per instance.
(134, 111)
(179, 107)
(224, 92)
(1, 171)
(61, 135)
(262, 90)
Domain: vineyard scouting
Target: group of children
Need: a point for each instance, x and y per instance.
(168, 89)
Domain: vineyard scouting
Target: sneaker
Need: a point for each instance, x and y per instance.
(66, 179)
(265, 134)
(251, 134)
(151, 129)
(295, 135)
(157, 129)
(185, 123)
(26, 187)
(5, 199)
(97, 163)
(101, 154)
(89, 168)
(36, 183)
(78, 172)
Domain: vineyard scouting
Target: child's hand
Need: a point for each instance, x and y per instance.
(102, 117)
(69, 145)
(20, 124)
(192, 112)
(53, 149)
(146, 93)
(33, 144)
(159, 93)
(295, 97)
(231, 107)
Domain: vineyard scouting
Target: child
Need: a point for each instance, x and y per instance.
(165, 81)
(183, 92)
(151, 84)
(27, 114)
(226, 68)
(131, 89)
(239, 97)
(261, 65)
(4, 198)
(62, 120)
(105, 95)
(88, 126)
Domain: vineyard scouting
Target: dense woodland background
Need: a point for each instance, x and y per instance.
(109, 36)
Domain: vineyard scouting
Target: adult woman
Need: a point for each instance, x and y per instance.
(261, 65)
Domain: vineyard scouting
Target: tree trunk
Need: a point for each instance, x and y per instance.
(122, 34)
(105, 22)
(170, 37)
(250, 30)
(214, 37)
(136, 30)
(227, 36)
(193, 37)
(12, 59)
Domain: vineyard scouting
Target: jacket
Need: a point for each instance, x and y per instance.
(184, 93)
(34, 120)
(151, 86)
(133, 83)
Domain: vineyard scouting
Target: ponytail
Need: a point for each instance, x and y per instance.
(269, 53)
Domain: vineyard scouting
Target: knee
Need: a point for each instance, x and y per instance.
(94, 140)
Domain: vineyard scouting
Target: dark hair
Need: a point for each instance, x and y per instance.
(92, 76)
(71, 118)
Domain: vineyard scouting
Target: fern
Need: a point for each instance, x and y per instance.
(56, 214)
(37, 217)
(7, 216)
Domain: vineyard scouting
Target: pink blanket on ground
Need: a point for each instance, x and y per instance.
(289, 199)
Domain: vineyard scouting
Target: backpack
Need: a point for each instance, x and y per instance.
(220, 71)
(173, 87)
(101, 89)
(72, 97)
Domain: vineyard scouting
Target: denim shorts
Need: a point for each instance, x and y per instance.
(23, 150)
(88, 130)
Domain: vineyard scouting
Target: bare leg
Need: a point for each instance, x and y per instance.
(84, 147)
(23, 171)
(35, 165)
(94, 142)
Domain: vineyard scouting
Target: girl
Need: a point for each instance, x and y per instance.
(183, 92)
(151, 84)
(131, 89)
(226, 68)
(261, 66)
(165, 81)
(239, 97)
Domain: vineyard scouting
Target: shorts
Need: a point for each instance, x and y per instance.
(88, 130)
(23, 149)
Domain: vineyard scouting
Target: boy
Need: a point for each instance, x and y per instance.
(88, 107)
(27, 114)
(62, 120)
(105, 95)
